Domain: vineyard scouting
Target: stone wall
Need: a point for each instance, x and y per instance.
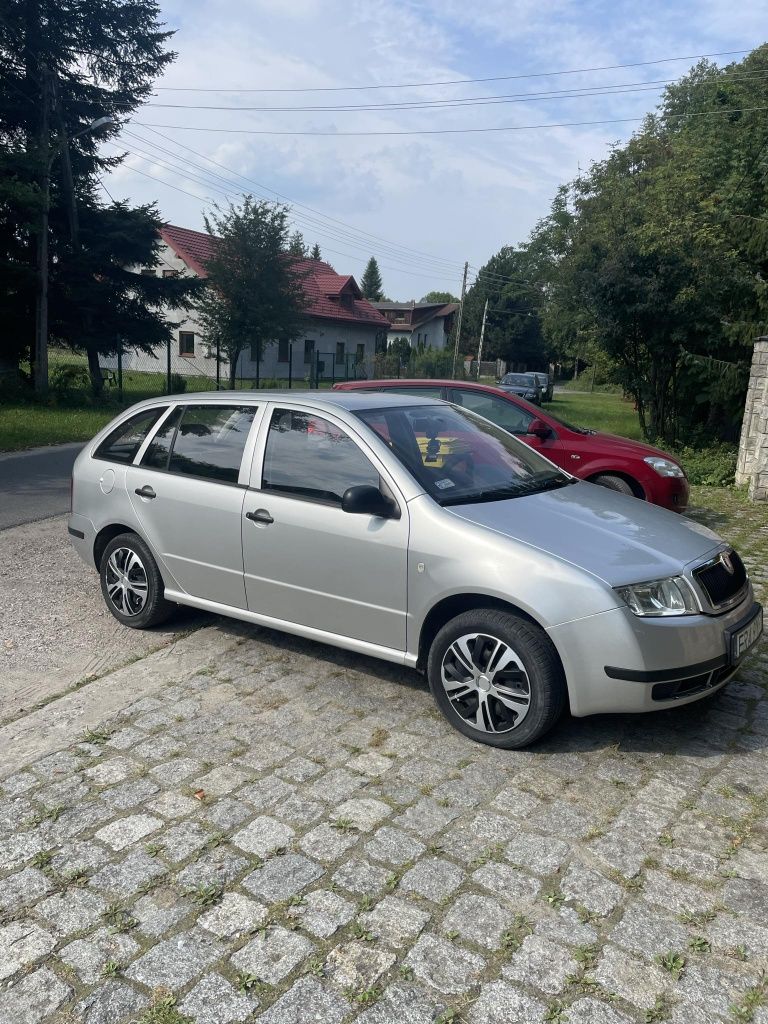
(752, 465)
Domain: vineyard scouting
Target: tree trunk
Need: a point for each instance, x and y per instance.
(94, 369)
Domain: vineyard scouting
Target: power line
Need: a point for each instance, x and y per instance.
(215, 181)
(333, 220)
(456, 81)
(449, 131)
(437, 276)
(584, 92)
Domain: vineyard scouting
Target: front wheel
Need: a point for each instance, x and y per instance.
(131, 583)
(496, 678)
(614, 483)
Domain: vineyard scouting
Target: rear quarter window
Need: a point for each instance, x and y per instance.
(122, 443)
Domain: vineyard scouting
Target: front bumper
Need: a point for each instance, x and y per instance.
(618, 662)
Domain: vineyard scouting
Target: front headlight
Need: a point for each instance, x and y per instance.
(664, 467)
(672, 596)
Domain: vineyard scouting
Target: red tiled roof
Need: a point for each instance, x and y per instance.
(329, 295)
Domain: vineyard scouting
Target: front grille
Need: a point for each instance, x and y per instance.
(718, 584)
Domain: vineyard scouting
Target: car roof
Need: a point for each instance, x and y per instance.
(350, 400)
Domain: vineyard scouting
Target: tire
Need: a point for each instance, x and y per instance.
(131, 583)
(528, 670)
(614, 483)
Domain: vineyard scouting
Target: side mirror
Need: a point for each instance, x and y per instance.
(539, 428)
(367, 500)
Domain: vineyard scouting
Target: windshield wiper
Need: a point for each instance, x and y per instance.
(509, 491)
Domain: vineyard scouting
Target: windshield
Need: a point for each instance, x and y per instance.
(458, 457)
(522, 379)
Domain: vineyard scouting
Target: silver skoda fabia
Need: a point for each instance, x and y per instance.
(417, 532)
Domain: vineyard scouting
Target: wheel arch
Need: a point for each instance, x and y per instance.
(634, 483)
(449, 607)
(105, 535)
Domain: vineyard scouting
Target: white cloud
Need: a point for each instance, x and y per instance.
(456, 196)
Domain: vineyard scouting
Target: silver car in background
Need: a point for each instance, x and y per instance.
(416, 532)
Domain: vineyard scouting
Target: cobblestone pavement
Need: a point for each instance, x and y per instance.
(291, 834)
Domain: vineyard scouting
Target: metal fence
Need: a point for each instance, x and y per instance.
(130, 376)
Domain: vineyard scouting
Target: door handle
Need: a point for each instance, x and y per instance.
(260, 516)
(145, 492)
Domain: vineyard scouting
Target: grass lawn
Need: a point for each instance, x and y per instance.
(25, 425)
(607, 412)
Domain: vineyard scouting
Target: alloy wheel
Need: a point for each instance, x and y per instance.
(126, 581)
(486, 683)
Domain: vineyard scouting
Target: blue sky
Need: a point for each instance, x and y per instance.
(433, 201)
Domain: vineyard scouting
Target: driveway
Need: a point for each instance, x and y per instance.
(244, 826)
(35, 484)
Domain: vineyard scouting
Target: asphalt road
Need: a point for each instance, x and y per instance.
(35, 484)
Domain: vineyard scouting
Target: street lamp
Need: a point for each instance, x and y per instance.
(41, 303)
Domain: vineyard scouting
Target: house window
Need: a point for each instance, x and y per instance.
(148, 272)
(283, 352)
(170, 273)
(309, 350)
(186, 343)
(340, 352)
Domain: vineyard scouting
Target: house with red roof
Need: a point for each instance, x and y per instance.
(342, 334)
(427, 324)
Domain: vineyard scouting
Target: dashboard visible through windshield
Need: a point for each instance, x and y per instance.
(458, 457)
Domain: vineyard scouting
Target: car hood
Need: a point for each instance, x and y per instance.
(615, 537)
(631, 447)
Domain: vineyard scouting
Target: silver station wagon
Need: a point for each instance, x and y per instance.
(420, 533)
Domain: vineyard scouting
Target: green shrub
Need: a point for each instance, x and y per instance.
(713, 467)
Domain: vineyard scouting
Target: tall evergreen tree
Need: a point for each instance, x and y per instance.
(297, 246)
(79, 62)
(254, 294)
(316, 254)
(371, 284)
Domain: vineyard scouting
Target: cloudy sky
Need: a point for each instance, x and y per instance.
(422, 203)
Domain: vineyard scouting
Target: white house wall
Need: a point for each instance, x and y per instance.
(202, 363)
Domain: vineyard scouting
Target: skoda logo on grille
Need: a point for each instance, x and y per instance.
(727, 564)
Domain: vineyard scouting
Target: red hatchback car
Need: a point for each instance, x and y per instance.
(616, 462)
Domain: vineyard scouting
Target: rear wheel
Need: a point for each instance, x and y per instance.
(614, 483)
(131, 583)
(496, 678)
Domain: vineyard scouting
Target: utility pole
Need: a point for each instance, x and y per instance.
(482, 335)
(41, 249)
(66, 169)
(458, 320)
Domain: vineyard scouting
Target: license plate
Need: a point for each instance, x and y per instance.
(746, 638)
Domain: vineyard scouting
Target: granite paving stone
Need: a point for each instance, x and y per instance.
(33, 997)
(273, 955)
(234, 915)
(433, 878)
(307, 1002)
(353, 860)
(449, 969)
(214, 1001)
(395, 921)
(501, 1003)
(282, 877)
(110, 1003)
(21, 943)
(541, 964)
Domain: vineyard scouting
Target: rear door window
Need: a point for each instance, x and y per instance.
(209, 441)
(158, 450)
(122, 443)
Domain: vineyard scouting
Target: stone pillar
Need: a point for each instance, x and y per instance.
(752, 464)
